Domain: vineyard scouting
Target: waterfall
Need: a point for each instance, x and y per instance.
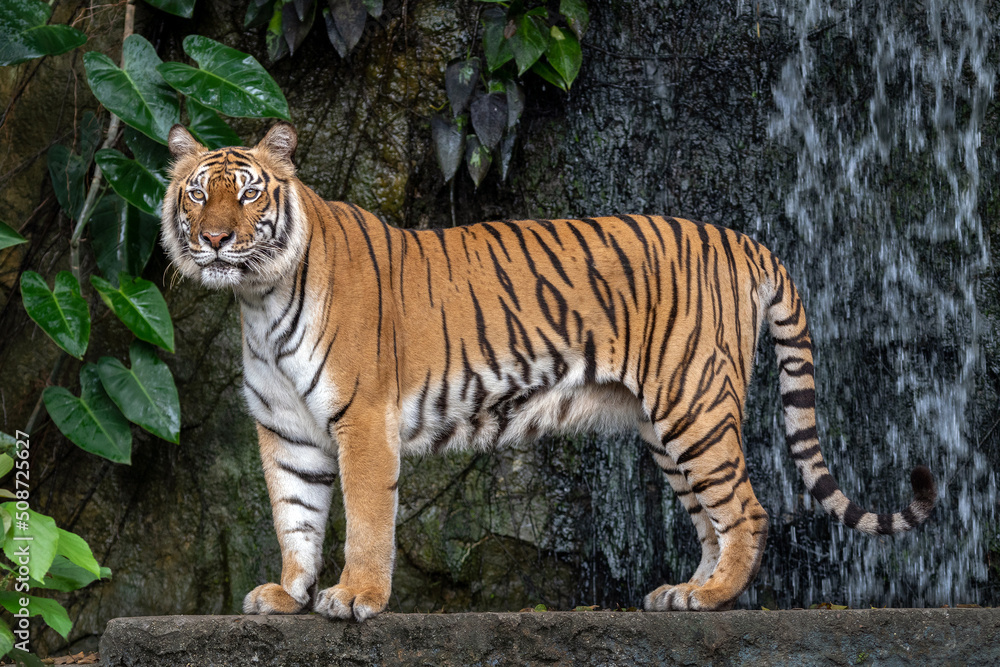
(886, 244)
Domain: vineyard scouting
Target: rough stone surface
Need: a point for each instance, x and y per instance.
(760, 638)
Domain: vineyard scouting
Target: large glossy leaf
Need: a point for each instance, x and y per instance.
(145, 393)
(136, 93)
(495, 46)
(345, 23)
(68, 172)
(132, 181)
(152, 155)
(528, 41)
(576, 15)
(36, 531)
(61, 312)
(183, 8)
(489, 118)
(208, 128)
(296, 27)
(563, 53)
(76, 549)
(24, 35)
(478, 159)
(123, 237)
(91, 421)
(449, 143)
(459, 80)
(51, 611)
(140, 306)
(65, 576)
(9, 237)
(228, 81)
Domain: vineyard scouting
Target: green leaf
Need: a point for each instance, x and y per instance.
(24, 35)
(140, 306)
(25, 659)
(51, 611)
(528, 42)
(374, 7)
(449, 143)
(6, 465)
(478, 159)
(564, 55)
(208, 128)
(132, 181)
(136, 93)
(32, 532)
(183, 8)
(152, 155)
(68, 172)
(229, 81)
(61, 313)
(91, 421)
(544, 70)
(8, 443)
(64, 576)
(145, 393)
(294, 27)
(576, 15)
(9, 237)
(459, 80)
(495, 46)
(122, 236)
(6, 638)
(76, 549)
(274, 39)
(258, 14)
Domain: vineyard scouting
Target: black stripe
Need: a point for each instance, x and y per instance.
(885, 524)
(340, 413)
(824, 487)
(801, 435)
(295, 500)
(852, 515)
(378, 275)
(799, 398)
(324, 478)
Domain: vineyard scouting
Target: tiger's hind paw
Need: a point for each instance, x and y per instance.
(687, 597)
(345, 602)
(271, 599)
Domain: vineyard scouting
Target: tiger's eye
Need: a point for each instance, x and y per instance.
(196, 195)
(250, 194)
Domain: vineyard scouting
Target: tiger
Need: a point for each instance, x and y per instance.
(363, 342)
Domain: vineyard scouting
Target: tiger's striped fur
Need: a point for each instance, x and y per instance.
(362, 342)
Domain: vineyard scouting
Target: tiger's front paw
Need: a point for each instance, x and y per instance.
(689, 597)
(272, 599)
(347, 602)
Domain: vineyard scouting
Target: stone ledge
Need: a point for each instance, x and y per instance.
(760, 638)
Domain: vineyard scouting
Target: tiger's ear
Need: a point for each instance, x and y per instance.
(182, 143)
(280, 141)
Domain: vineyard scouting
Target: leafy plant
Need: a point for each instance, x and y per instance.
(289, 21)
(121, 221)
(485, 92)
(37, 555)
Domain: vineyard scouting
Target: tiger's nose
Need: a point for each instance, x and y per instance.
(216, 240)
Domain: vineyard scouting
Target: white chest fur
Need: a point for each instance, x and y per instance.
(284, 367)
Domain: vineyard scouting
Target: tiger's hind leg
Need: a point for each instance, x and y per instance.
(710, 459)
(706, 533)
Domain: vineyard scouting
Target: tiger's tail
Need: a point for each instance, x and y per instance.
(793, 348)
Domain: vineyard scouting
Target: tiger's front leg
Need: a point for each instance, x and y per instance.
(299, 481)
(369, 473)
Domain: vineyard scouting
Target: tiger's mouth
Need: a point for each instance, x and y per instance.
(220, 274)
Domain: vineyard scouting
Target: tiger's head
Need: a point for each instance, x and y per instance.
(231, 217)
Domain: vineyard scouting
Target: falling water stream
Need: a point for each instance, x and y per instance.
(889, 264)
(877, 108)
